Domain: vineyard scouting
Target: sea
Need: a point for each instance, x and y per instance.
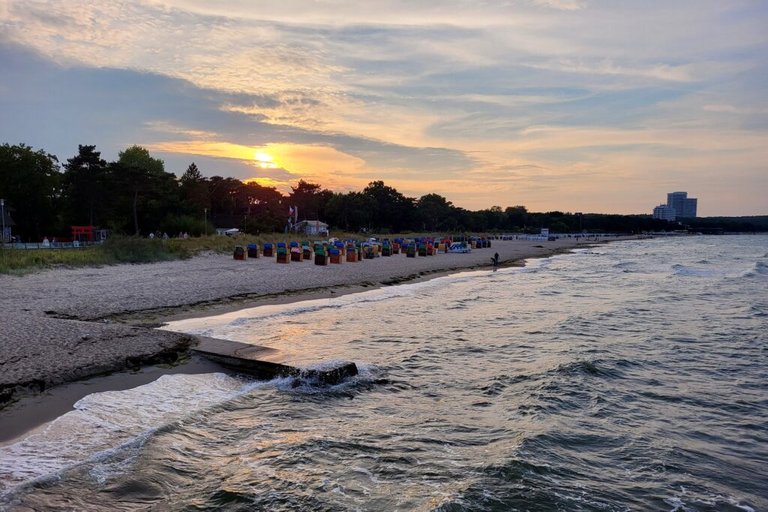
(626, 376)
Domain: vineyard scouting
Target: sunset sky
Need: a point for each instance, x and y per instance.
(576, 105)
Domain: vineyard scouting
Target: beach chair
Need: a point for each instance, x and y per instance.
(282, 253)
(296, 254)
(321, 257)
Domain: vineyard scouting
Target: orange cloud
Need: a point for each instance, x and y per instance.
(308, 161)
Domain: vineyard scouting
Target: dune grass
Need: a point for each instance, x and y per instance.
(115, 250)
(121, 249)
(18, 261)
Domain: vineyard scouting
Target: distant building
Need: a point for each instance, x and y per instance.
(311, 227)
(227, 231)
(684, 206)
(89, 234)
(664, 212)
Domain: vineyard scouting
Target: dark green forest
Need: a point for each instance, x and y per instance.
(136, 195)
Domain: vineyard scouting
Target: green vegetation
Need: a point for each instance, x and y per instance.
(115, 250)
(137, 196)
(20, 261)
(141, 250)
(121, 249)
(30, 183)
(732, 224)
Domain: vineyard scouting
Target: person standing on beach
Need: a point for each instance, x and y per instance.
(495, 260)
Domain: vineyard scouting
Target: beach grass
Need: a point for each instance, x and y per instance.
(115, 250)
(17, 261)
(122, 249)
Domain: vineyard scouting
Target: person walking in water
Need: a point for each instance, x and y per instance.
(495, 260)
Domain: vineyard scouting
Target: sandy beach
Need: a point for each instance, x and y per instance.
(64, 325)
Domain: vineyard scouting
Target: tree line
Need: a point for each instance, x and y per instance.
(135, 195)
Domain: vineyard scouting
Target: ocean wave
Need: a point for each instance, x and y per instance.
(308, 382)
(595, 368)
(688, 501)
(107, 431)
(106, 423)
(361, 300)
(679, 269)
(760, 269)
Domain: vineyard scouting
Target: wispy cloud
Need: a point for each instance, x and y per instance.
(484, 102)
(565, 5)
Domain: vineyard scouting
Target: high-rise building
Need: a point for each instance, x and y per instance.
(684, 206)
(689, 207)
(664, 212)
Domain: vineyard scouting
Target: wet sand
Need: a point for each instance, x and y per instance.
(67, 325)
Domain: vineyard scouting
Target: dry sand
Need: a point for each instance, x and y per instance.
(64, 324)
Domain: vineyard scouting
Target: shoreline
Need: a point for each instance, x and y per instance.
(158, 317)
(230, 305)
(72, 332)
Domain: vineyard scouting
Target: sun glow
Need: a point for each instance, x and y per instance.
(264, 160)
(280, 165)
(265, 182)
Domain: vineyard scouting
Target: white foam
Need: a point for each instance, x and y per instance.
(103, 423)
(212, 325)
(691, 271)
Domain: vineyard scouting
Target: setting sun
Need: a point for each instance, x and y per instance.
(264, 160)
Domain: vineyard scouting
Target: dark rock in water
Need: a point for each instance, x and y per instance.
(332, 376)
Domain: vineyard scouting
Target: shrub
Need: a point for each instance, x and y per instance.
(142, 250)
(174, 224)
